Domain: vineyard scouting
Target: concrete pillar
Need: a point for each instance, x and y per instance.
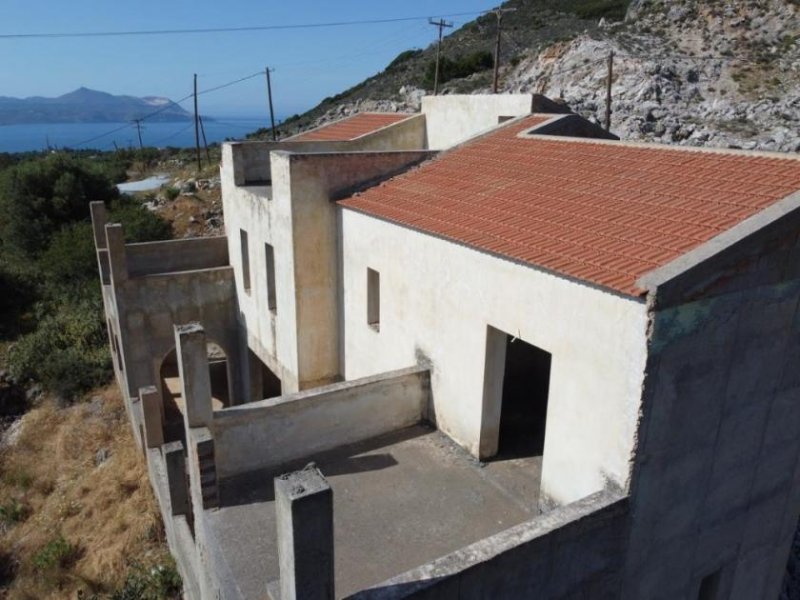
(190, 347)
(151, 412)
(176, 478)
(304, 512)
(115, 244)
(99, 222)
(203, 468)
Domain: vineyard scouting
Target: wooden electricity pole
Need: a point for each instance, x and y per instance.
(441, 24)
(196, 127)
(267, 70)
(499, 14)
(608, 89)
(205, 143)
(139, 131)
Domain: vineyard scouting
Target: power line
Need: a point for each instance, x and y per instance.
(8, 36)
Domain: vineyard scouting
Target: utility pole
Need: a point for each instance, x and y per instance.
(499, 14)
(196, 127)
(139, 131)
(441, 24)
(205, 143)
(608, 89)
(267, 70)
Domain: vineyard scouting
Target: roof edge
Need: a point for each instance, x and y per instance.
(656, 278)
(335, 121)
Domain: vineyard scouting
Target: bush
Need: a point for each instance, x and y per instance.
(68, 351)
(39, 197)
(173, 192)
(140, 224)
(13, 512)
(57, 553)
(463, 66)
(402, 58)
(161, 582)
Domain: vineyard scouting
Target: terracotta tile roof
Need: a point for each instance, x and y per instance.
(350, 128)
(606, 213)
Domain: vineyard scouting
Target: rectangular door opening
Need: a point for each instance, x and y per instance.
(523, 414)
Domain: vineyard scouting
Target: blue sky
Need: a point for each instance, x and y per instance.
(309, 64)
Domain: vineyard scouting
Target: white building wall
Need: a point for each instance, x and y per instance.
(452, 119)
(267, 218)
(437, 300)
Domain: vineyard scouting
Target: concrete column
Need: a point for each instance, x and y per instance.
(304, 512)
(190, 347)
(99, 222)
(151, 412)
(115, 244)
(176, 478)
(203, 468)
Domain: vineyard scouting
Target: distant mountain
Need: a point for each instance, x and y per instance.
(88, 106)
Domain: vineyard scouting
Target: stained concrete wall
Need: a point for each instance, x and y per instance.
(452, 119)
(575, 551)
(270, 433)
(717, 478)
(152, 258)
(249, 162)
(150, 306)
(299, 341)
(438, 300)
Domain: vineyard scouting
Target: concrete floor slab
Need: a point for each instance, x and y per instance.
(400, 500)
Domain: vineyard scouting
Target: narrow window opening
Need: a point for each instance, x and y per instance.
(710, 586)
(373, 299)
(245, 260)
(271, 301)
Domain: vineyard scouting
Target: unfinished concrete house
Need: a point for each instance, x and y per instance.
(526, 360)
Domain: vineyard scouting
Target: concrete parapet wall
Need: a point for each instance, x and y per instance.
(573, 551)
(249, 162)
(453, 118)
(153, 258)
(269, 433)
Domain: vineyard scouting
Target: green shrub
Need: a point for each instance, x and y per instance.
(172, 192)
(462, 66)
(57, 553)
(68, 351)
(140, 224)
(39, 197)
(403, 58)
(161, 582)
(13, 512)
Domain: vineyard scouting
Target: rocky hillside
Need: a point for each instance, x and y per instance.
(722, 73)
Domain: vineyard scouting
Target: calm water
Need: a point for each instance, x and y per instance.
(20, 138)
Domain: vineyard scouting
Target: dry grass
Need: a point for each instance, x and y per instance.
(76, 526)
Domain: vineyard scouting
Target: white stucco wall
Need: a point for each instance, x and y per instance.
(267, 219)
(452, 119)
(438, 298)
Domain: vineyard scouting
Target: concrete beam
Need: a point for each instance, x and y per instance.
(304, 512)
(176, 478)
(115, 244)
(150, 399)
(99, 222)
(190, 345)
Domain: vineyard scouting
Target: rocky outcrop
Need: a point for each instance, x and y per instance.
(722, 74)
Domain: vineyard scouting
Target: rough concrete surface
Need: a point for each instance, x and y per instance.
(399, 501)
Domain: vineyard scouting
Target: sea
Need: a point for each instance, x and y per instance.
(102, 136)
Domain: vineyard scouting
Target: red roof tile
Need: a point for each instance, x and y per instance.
(350, 128)
(599, 212)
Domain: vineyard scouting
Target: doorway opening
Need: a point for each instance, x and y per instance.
(523, 414)
(219, 373)
(263, 382)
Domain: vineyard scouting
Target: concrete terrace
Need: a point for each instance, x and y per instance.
(400, 500)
